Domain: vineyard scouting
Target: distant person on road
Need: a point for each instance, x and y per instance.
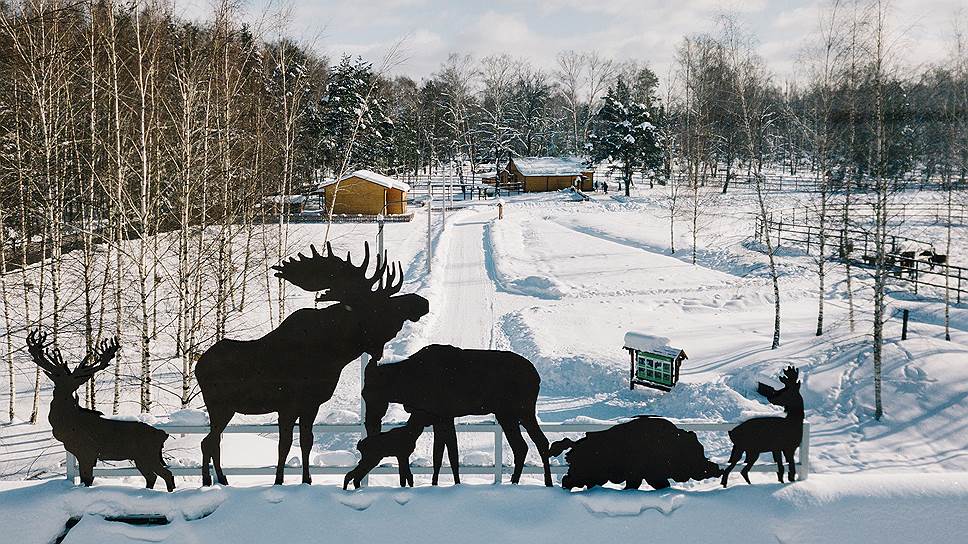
(605, 187)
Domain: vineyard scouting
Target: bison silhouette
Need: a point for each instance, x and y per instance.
(648, 448)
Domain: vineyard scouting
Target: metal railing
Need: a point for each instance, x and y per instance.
(498, 469)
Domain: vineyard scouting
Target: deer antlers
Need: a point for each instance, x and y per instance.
(790, 375)
(99, 359)
(340, 278)
(48, 357)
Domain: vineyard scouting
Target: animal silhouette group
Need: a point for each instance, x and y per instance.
(295, 368)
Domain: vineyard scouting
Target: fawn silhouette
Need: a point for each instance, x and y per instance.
(85, 433)
(293, 369)
(443, 382)
(778, 435)
(398, 442)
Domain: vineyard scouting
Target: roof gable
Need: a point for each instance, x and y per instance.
(652, 344)
(551, 166)
(372, 177)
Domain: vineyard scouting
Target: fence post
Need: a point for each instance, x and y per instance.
(498, 454)
(70, 467)
(805, 451)
(364, 360)
(958, 291)
(904, 316)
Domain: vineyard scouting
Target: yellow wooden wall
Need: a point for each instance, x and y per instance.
(533, 184)
(359, 196)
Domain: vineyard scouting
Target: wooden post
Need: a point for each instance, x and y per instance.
(805, 452)
(364, 360)
(904, 323)
(70, 466)
(631, 370)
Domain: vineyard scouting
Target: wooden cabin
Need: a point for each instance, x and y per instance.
(653, 363)
(366, 193)
(538, 174)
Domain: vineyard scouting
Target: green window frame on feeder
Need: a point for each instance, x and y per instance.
(653, 369)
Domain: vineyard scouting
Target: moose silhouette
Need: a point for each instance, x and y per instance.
(778, 435)
(444, 382)
(647, 448)
(85, 433)
(398, 442)
(295, 368)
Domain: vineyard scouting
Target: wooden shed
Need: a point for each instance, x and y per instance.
(537, 174)
(366, 193)
(653, 363)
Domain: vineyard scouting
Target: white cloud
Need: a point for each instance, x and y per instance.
(647, 30)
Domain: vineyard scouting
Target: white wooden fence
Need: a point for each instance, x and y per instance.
(498, 469)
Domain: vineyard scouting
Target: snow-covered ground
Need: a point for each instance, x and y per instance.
(560, 282)
(826, 508)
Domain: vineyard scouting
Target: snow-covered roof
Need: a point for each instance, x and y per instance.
(551, 166)
(659, 345)
(286, 199)
(372, 177)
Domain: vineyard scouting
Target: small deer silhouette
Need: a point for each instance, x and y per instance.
(398, 442)
(85, 433)
(778, 435)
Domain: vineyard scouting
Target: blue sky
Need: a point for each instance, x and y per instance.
(647, 30)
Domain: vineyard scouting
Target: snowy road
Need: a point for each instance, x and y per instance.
(467, 319)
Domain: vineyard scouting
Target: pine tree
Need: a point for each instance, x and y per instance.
(348, 98)
(624, 131)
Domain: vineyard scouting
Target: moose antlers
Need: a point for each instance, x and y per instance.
(340, 278)
(48, 357)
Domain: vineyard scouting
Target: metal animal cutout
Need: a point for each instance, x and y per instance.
(444, 382)
(398, 442)
(648, 448)
(778, 435)
(295, 368)
(85, 433)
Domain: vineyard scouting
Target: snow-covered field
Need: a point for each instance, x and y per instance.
(560, 282)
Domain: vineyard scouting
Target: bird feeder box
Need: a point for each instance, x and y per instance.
(653, 363)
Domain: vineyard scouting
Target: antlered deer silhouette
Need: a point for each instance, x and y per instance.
(86, 434)
(444, 382)
(778, 435)
(295, 368)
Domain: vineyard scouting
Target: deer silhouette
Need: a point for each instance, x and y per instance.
(778, 435)
(295, 368)
(85, 433)
(444, 382)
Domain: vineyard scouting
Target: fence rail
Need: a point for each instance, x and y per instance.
(851, 242)
(497, 470)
